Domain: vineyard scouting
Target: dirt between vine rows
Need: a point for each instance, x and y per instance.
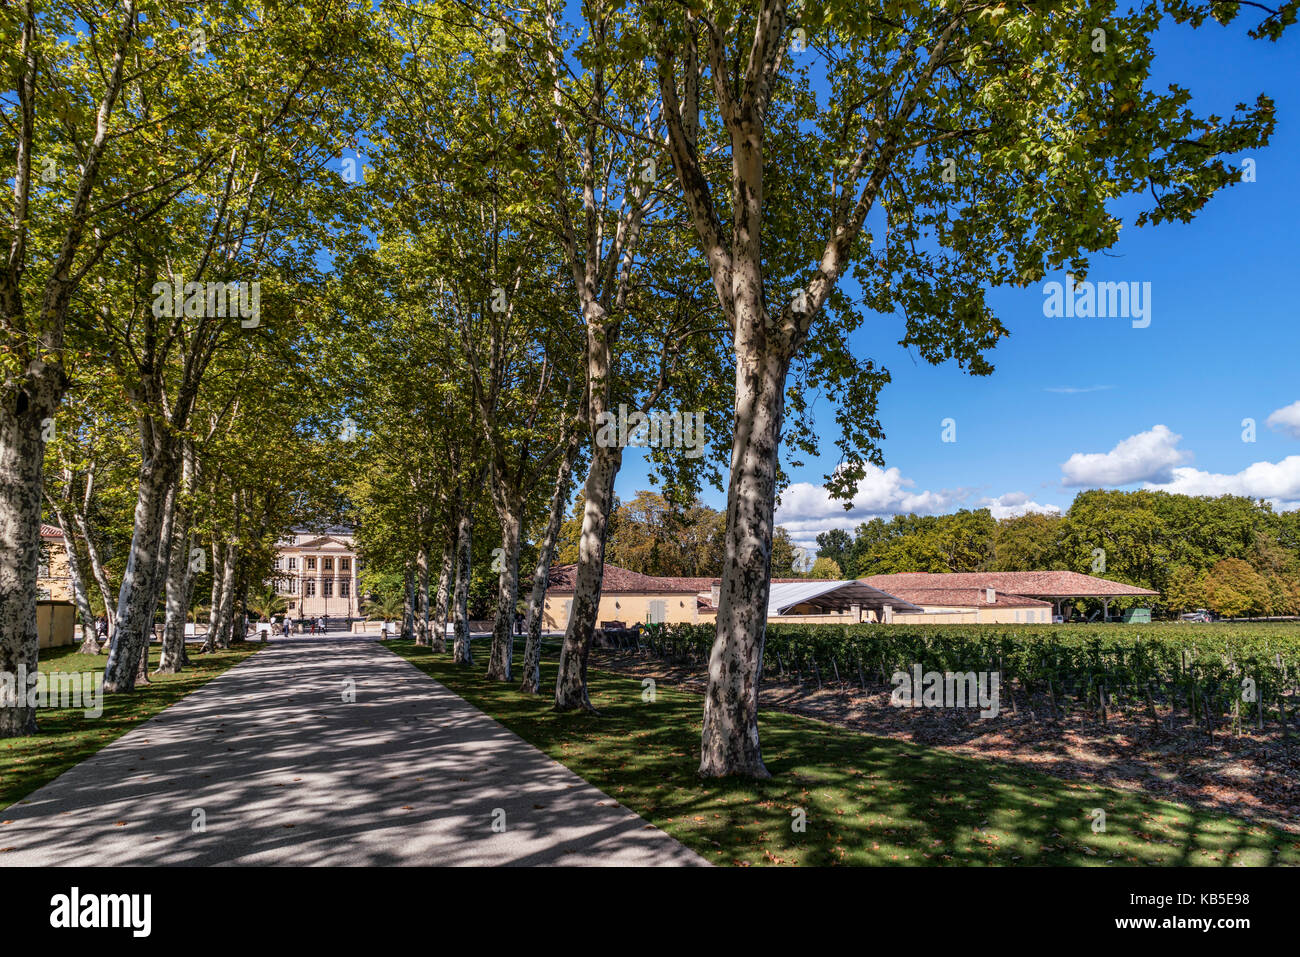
(1255, 775)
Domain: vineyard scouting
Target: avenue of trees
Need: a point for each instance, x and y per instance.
(494, 247)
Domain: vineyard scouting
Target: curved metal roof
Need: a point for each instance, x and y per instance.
(831, 595)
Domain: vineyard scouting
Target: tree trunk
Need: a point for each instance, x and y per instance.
(227, 628)
(214, 600)
(463, 655)
(139, 593)
(80, 597)
(176, 604)
(571, 681)
(422, 595)
(166, 548)
(729, 744)
(541, 576)
(239, 617)
(501, 660)
(442, 599)
(22, 452)
(408, 603)
(97, 570)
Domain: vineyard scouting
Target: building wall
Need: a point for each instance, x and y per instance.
(635, 609)
(55, 623)
(958, 615)
(302, 578)
(630, 608)
(53, 580)
(795, 618)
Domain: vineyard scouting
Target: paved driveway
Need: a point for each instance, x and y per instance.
(279, 769)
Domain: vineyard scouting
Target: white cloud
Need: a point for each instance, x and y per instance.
(1278, 482)
(1077, 390)
(1286, 419)
(1015, 504)
(1148, 456)
(807, 509)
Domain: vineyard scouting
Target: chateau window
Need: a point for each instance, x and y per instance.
(309, 588)
(276, 564)
(327, 564)
(344, 590)
(345, 564)
(327, 587)
(311, 563)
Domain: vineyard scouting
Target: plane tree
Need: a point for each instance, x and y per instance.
(926, 151)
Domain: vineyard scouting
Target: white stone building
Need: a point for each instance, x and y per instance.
(316, 572)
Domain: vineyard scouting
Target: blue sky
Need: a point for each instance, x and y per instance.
(1223, 345)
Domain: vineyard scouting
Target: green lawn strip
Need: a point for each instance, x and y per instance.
(67, 737)
(867, 800)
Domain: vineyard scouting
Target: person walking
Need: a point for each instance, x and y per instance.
(286, 626)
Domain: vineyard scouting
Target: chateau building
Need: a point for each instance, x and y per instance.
(316, 572)
(53, 579)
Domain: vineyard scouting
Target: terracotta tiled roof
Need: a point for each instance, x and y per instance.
(964, 597)
(1053, 584)
(623, 580)
(51, 531)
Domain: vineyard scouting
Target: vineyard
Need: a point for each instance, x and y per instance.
(1216, 677)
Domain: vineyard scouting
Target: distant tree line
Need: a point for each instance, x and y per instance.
(1233, 555)
(654, 536)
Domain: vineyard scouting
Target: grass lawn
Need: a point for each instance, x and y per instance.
(67, 736)
(866, 800)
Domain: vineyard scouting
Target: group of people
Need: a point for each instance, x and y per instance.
(316, 626)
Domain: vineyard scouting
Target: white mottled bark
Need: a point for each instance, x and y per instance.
(179, 581)
(21, 452)
(408, 603)
(80, 597)
(214, 600)
(421, 610)
(464, 530)
(441, 600)
(97, 570)
(532, 683)
(571, 680)
(227, 630)
(729, 743)
(501, 658)
(138, 596)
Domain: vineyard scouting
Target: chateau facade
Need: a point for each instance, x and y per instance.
(316, 572)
